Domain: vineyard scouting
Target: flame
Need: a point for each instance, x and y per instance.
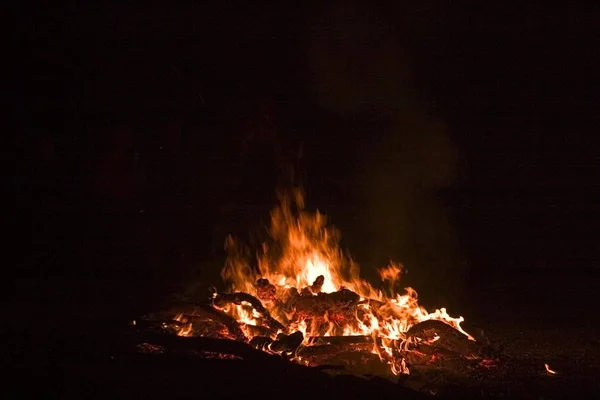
(187, 327)
(305, 250)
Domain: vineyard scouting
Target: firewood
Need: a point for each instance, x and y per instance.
(258, 330)
(449, 338)
(429, 358)
(337, 305)
(266, 290)
(289, 342)
(230, 323)
(338, 340)
(283, 344)
(237, 298)
(359, 363)
(332, 349)
(174, 343)
(315, 288)
(317, 284)
(157, 325)
(203, 326)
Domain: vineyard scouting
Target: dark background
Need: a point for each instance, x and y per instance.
(460, 140)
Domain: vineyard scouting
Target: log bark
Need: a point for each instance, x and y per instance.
(158, 325)
(449, 338)
(201, 344)
(239, 297)
(257, 330)
(337, 305)
(283, 344)
(315, 288)
(207, 311)
(338, 340)
(266, 290)
(332, 349)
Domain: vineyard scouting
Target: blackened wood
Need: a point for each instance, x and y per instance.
(449, 338)
(231, 324)
(239, 297)
(331, 349)
(194, 343)
(265, 290)
(283, 344)
(339, 340)
(337, 305)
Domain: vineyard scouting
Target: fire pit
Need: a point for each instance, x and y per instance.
(303, 300)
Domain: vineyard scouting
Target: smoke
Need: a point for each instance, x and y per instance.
(355, 59)
(360, 59)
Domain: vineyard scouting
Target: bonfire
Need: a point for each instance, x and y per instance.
(302, 298)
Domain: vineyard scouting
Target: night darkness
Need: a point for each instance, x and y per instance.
(459, 140)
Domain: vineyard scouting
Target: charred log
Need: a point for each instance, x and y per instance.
(179, 344)
(346, 360)
(328, 350)
(157, 325)
(337, 305)
(340, 340)
(265, 290)
(206, 311)
(317, 284)
(425, 357)
(286, 344)
(315, 288)
(443, 336)
(237, 298)
(257, 330)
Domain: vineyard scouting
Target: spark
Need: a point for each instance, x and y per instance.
(550, 371)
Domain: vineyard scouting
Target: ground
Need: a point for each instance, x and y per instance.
(61, 338)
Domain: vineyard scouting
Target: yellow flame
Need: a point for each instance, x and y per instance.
(187, 328)
(305, 248)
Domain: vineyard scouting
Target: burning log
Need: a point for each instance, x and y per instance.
(425, 357)
(204, 326)
(339, 340)
(440, 335)
(266, 290)
(328, 346)
(317, 284)
(240, 297)
(332, 349)
(356, 359)
(337, 305)
(195, 344)
(203, 310)
(169, 325)
(315, 288)
(283, 344)
(257, 330)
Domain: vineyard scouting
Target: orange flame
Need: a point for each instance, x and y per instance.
(304, 248)
(187, 328)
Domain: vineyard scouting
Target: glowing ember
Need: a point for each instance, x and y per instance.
(306, 284)
(186, 329)
(550, 371)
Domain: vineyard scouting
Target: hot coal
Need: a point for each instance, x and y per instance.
(428, 345)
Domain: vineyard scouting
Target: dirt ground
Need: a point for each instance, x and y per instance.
(64, 336)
